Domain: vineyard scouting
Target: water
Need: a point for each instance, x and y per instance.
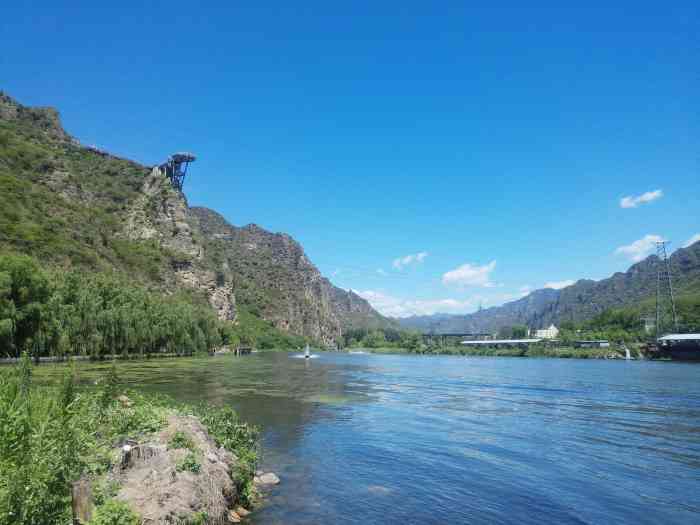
(409, 439)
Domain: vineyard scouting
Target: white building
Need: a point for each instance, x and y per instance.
(547, 333)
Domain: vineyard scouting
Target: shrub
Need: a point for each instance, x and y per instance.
(181, 440)
(189, 463)
(114, 512)
(49, 437)
(52, 436)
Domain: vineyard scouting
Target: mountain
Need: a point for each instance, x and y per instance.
(72, 205)
(578, 302)
(271, 275)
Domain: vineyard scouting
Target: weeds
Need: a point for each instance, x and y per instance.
(189, 463)
(114, 512)
(51, 436)
(181, 440)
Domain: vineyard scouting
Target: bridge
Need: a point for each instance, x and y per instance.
(447, 336)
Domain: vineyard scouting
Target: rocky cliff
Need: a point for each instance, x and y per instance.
(273, 277)
(74, 205)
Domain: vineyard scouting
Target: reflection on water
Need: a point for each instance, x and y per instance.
(406, 439)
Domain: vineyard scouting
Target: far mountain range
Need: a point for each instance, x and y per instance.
(578, 302)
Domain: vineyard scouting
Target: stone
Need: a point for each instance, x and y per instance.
(125, 401)
(242, 512)
(153, 485)
(269, 478)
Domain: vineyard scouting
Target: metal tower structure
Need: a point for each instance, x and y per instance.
(175, 168)
(664, 290)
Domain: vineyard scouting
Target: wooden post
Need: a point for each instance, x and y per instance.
(82, 501)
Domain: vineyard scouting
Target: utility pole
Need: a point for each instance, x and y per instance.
(663, 280)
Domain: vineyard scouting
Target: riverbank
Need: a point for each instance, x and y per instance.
(564, 352)
(66, 450)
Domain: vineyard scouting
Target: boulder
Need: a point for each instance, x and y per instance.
(269, 478)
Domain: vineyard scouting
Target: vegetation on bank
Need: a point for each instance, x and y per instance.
(52, 436)
(251, 330)
(382, 338)
(390, 341)
(627, 325)
(60, 313)
(492, 351)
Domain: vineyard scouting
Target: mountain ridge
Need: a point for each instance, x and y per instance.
(578, 302)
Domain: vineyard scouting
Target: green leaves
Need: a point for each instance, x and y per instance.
(189, 463)
(59, 313)
(114, 512)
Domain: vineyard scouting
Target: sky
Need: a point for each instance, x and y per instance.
(432, 156)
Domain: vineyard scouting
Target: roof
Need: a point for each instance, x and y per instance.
(680, 337)
(182, 156)
(501, 341)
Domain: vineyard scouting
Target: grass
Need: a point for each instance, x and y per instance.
(53, 435)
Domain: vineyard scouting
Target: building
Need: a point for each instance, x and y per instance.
(547, 333)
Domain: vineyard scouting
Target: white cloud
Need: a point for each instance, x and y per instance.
(407, 260)
(396, 307)
(470, 275)
(633, 201)
(381, 271)
(558, 285)
(695, 238)
(640, 248)
(525, 289)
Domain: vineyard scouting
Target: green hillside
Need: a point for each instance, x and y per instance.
(64, 203)
(76, 208)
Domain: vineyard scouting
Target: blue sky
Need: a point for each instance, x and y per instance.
(495, 142)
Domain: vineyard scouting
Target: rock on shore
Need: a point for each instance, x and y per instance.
(152, 478)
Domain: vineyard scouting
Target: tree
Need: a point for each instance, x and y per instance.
(375, 339)
(519, 332)
(24, 288)
(505, 332)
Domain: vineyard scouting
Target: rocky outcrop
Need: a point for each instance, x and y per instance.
(45, 119)
(354, 311)
(166, 486)
(272, 276)
(161, 213)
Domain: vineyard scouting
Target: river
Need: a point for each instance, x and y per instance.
(363, 438)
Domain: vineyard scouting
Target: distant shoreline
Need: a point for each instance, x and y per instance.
(563, 352)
